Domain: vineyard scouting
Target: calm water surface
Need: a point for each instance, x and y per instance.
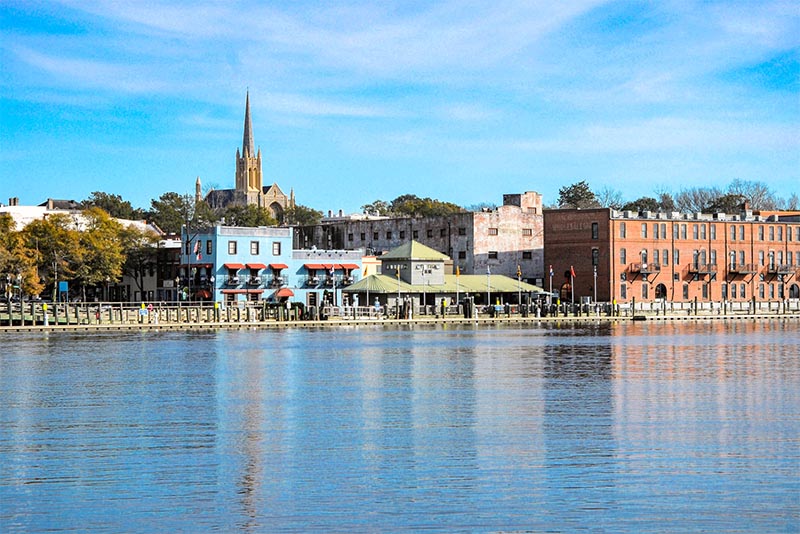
(634, 427)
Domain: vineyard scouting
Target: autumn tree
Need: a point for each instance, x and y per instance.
(58, 246)
(102, 256)
(16, 259)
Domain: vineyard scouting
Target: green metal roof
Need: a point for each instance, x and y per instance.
(466, 283)
(414, 250)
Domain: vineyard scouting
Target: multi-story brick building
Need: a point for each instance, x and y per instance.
(498, 239)
(673, 256)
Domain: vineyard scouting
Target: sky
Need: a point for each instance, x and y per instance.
(352, 102)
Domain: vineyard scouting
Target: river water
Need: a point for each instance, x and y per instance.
(630, 427)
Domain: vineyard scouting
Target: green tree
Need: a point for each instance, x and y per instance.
(642, 204)
(378, 207)
(171, 211)
(114, 205)
(577, 195)
(300, 215)
(249, 215)
(140, 247)
(102, 257)
(727, 203)
(414, 206)
(59, 248)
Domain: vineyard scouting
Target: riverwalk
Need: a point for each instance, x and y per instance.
(164, 318)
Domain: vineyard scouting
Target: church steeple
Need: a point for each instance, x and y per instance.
(248, 163)
(248, 145)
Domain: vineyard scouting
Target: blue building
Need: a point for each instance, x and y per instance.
(239, 264)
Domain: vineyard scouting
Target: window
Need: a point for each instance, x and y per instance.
(375, 236)
(713, 257)
(527, 255)
(724, 291)
(663, 230)
(463, 231)
(733, 291)
(695, 231)
(254, 248)
(655, 231)
(363, 236)
(761, 233)
(772, 233)
(429, 233)
(675, 229)
(231, 247)
(741, 257)
(665, 257)
(741, 233)
(797, 233)
(742, 292)
(389, 234)
(622, 234)
(402, 234)
(733, 233)
(349, 237)
(683, 231)
(761, 291)
(462, 254)
(655, 257)
(761, 257)
(415, 234)
(676, 256)
(595, 230)
(780, 233)
(772, 291)
(209, 247)
(713, 231)
(705, 291)
(685, 291)
(492, 254)
(623, 256)
(276, 248)
(780, 291)
(644, 290)
(492, 231)
(443, 232)
(644, 230)
(788, 233)
(188, 247)
(702, 231)
(595, 257)
(527, 232)
(623, 291)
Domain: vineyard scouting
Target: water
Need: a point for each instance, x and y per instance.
(633, 427)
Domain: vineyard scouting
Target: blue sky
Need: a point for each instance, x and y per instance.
(357, 101)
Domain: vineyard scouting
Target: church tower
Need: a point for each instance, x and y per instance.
(248, 162)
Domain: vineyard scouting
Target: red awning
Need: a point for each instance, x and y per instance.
(350, 266)
(315, 266)
(256, 266)
(235, 266)
(284, 292)
(204, 294)
(278, 266)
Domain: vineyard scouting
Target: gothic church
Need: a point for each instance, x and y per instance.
(249, 186)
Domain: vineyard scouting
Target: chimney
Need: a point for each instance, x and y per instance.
(13, 201)
(341, 213)
(330, 214)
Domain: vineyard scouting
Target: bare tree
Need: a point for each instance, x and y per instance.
(609, 198)
(693, 200)
(758, 194)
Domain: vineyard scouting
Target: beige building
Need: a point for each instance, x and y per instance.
(249, 180)
(498, 240)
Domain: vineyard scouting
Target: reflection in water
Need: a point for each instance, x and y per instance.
(625, 428)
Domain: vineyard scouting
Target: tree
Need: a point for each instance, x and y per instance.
(299, 215)
(665, 201)
(609, 198)
(139, 247)
(577, 195)
(249, 215)
(16, 259)
(414, 206)
(378, 207)
(693, 200)
(102, 257)
(58, 246)
(642, 204)
(171, 211)
(481, 206)
(727, 203)
(114, 205)
(758, 194)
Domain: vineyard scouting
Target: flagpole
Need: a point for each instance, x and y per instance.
(572, 283)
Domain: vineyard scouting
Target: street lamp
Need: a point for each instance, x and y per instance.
(595, 284)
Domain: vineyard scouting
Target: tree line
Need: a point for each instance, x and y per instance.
(730, 199)
(172, 210)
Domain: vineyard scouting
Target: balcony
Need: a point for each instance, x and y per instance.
(254, 281)
(703, 268)
(347, 280)
(780, 269)
(277, 281)
(232, 281)
(646, 268)
(312, 281)
(743, 268)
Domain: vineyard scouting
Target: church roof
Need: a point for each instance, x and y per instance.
(414, 250)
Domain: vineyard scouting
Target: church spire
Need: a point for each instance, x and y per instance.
(248, 146)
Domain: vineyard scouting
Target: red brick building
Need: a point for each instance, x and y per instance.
(674, 257)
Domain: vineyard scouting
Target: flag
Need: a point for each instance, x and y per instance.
(519, 272)
(571, 271)
(397, 272)
(197, 253)
(551, 271)
(458, 270)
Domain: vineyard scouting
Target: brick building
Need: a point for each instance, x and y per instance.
(498, 239)
(673, 257)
